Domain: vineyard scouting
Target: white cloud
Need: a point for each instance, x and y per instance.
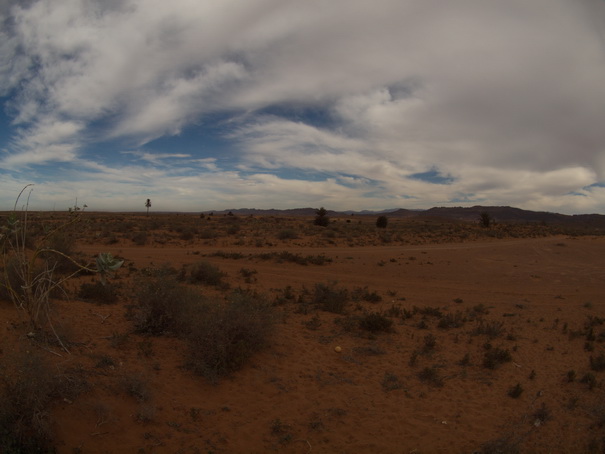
(505, 97)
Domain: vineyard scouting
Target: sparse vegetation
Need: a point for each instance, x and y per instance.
(321, 217)
(382, 222)
(205, 273)
(222, 337)
(494, 357)
(375, 322)
(515, 391)
(27, 386)
(164, 325)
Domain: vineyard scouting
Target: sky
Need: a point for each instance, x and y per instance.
(203, 105)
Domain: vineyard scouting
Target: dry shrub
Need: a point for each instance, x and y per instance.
(491, 328)
(507, 444)
(494, 357)
(329, 298)
(98, 293)
(222, 337)
(376, 322)
(205, 273)
(27, 386)
(163, 302)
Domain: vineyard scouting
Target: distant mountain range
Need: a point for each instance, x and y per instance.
(499, 214)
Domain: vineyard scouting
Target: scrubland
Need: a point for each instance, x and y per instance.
(229, 334)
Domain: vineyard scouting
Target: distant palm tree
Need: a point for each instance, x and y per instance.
(148, 205)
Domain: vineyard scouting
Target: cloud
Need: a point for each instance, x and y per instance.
(502, 100)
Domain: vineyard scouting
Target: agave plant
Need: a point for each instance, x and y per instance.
(106, 265)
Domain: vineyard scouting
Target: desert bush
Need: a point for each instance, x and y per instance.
(61, 250)
(209, 234)
(507, 444)
(139, 238)
(478, 310)
(321, 217)
(287, 234)
(494, 357)
(450, 320)
(382, 222)
(222, 337)
(485, 219)
(391, 382)
(290, 257)
(363, 293)
(375, 322)
(542, 414)
(205, 273)
(597, 363)
(136, 385)
(248, 274)
(163, 303)
(491, 329)
(98, 293)
(233, 229)
(329, 298)
(27, 387)
(428, 311)
(515, 391)
(431, 376)
(430, 342)
(589, 379)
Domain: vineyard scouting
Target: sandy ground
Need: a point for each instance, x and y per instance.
(301, 396)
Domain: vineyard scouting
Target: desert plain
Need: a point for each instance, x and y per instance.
(427, 336)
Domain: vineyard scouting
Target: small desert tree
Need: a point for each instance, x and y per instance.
(382, 222)
(321, 217)
(485, 219)
(148, 205)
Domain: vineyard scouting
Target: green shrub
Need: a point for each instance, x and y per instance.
(222, 337)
